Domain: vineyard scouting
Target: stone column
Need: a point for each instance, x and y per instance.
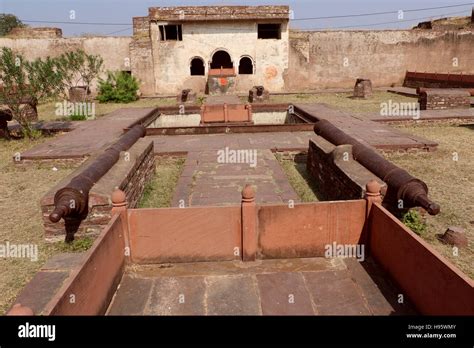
(119, 201)
(372, 194)
(249, 224)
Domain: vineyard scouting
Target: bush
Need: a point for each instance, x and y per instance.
(413, 220)
(119, 87)
(78, 117)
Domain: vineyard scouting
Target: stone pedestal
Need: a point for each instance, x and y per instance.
(363, 88)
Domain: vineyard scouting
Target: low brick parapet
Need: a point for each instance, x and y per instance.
(340, 176)
(436, 99)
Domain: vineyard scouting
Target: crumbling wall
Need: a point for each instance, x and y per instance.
(35, 33)
(114, 50)
(340, 177)
(335, 59)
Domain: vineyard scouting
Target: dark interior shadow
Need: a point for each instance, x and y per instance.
(300, 165)
(468, 126)
(389, 289)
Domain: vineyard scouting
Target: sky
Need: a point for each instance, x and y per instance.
(120, 13)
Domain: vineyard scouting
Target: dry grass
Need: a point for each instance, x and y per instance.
(159, 192)
(343, 101)
(20, 193)
(450, 183)
(47, 111)
(305, 186)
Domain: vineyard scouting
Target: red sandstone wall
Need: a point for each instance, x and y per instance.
(185, 234)
(305, 229)
(97, 278)
(434, 285)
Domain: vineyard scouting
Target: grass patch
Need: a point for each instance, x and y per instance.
(78, 245)
(305, 186)
(20, 192)
(158, 192)
(344, 101)
(450, 183)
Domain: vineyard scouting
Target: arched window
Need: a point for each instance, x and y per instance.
(197, 67)
(221, 59)
(245, 66)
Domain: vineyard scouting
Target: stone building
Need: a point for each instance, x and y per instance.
(206, 48)
(175, 48)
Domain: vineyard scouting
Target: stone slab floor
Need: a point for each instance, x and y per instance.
(316, 286)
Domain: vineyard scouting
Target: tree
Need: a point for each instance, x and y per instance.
(8, 22)
(26, 82)
(119, 87)
(79, 68)
(23, 82)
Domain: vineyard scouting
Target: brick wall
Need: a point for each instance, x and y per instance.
(131, 173)
(434, 99)
(340, 177)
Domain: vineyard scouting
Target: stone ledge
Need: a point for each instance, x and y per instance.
(341, 177)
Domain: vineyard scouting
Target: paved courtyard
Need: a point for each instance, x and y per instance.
(316, 286)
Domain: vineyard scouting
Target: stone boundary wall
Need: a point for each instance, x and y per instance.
(335, 59)
(114, 50)
(316, 59)
(340, 176)
(131, 173)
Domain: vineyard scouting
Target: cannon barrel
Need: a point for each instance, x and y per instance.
(71, 201)
(400, 184)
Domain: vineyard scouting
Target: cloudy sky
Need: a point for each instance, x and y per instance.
(115, 16)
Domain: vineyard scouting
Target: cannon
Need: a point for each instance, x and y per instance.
(401, 186)
(71, 201)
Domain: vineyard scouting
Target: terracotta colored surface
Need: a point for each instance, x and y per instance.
(90, 288)
(249, 224)
(284, 294)
(89, 137)
(225, 113)
(185, 234)
(434, 285)
(269, 287)
(303, 231)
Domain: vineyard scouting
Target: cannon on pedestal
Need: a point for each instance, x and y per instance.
(403, 190)
(71, 202)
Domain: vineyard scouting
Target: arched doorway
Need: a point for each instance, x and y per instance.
(221, 59)
(197, 67)
(245, 66)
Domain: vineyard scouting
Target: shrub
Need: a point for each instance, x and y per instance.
(413, 220)
(119, 87)
(79, 68)
(26, 82)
